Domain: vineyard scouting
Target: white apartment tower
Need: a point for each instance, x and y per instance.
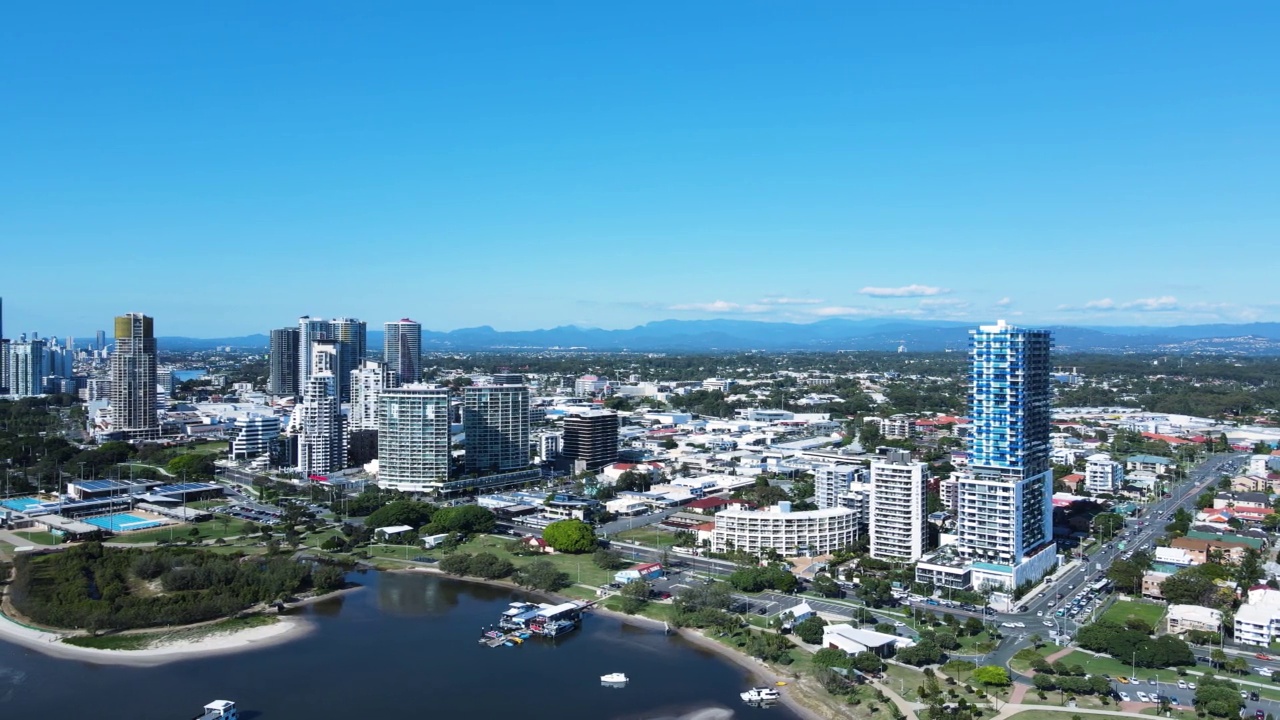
(413, 437)
(367, 384)
(496, 421)
(898, 507)
(322, 437)
(832, 481)
(1102, 474)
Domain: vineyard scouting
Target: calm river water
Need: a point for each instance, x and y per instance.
(405, 646)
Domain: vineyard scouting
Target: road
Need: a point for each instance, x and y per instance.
(1142, 530)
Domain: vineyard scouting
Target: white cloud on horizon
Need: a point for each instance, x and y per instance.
(790, 301)
(721, 306)
(906, 291)
(1004, 302)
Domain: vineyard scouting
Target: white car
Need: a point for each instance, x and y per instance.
(1124, 696)
(1266, 671)
(1020, 624)
(1039, 613)
(1142, 697)
(1191, 686)
(898, 624)
(1046, 623)
(1182, 684)
(1007, 624)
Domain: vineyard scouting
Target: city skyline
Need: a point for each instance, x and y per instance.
(779, 163)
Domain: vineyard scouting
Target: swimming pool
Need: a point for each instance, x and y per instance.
(21, 504)
(123, 522)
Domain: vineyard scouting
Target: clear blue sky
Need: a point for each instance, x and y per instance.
(229, 166)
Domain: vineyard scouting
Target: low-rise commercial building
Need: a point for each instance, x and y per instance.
(852, 640)
(1182, 618)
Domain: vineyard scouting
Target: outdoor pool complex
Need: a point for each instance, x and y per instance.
(20, 504)
(123, 522)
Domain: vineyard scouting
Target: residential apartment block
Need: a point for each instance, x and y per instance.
(811, 532)
(898, 507)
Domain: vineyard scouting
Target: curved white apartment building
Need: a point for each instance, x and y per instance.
(808, 532)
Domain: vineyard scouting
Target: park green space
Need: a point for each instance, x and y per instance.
(581, 568)
(1150, 613)
(649, 536)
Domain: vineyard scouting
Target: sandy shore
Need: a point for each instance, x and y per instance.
(216, 643)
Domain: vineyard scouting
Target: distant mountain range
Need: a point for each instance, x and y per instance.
(827, 335)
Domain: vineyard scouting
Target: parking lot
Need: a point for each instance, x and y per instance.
(260, 514)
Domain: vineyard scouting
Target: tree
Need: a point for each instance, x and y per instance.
(327, 578)
(634, 596)
(570, 536)
(831, 657)
(992, 676)
(825, 586)
(922, 653)
(400, 512)
(463, 519)
(973, 626)
(810, 629)
(867, 662)
(542, 575)
(607, 559)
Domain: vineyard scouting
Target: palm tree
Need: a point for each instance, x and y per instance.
(1217, 657)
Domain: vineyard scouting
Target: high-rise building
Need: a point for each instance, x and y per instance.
(1004, 518)
(4, 366)
(350, 335)
(413, 438)
(898, 507)
(832, 481)
(309, 330)
(283, 378)
(590, 440)
(100, 341)
(402, 349)
(496, 421)
(367, 384)
(26, 368)
(318, 421)
(133, 379)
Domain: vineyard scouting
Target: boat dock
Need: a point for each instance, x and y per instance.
(523, 620)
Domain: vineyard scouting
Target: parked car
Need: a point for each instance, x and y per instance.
(1122, 680)
(1142, 697)
(1124, 697)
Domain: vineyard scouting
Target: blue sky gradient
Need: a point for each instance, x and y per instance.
(229, 166)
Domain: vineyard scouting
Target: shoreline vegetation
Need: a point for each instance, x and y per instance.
(252, 628)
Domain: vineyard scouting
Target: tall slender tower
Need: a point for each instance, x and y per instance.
(1005, 515)
(322, 438)
(309, 330)
(402, 349)
(350, 335)
(283, 380)
(133, 379)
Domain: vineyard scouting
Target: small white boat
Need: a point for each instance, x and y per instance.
(219, 710)
(614, 678)
(759, 695)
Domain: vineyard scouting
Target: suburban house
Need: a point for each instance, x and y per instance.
(1200, 550)
(1153, 463)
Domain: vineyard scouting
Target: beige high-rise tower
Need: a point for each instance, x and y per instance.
(133, 379)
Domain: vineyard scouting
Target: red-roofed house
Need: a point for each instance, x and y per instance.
(1167, 438)
(536, 543)
(713, 505)
(1073, 480)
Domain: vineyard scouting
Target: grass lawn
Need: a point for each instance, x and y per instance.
(38, 537)
(1125, 609)
(976, 644)
(649, 536)
(581, 569)
(209, 448)
(1064, 714)
(903, 681)
(1115, 668)
(209, 530)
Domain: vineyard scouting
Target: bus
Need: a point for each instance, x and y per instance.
(1101, 586)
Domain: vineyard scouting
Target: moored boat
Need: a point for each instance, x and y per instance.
(219, 710)
(613, 678)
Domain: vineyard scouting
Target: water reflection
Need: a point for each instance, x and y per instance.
(422, 594)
